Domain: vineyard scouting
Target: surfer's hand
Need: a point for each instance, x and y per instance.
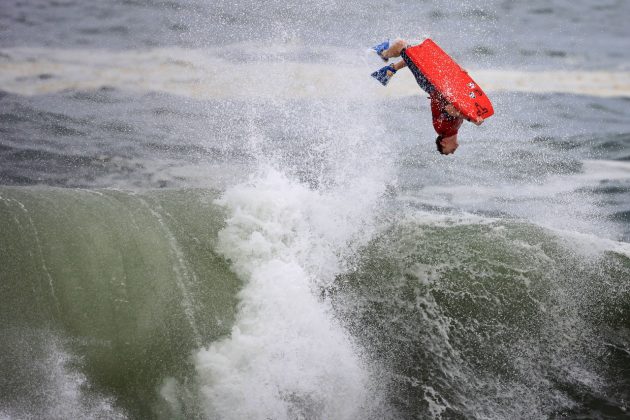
(478, 121)
(452, 111)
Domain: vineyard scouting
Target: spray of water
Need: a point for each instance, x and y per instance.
(287, 356)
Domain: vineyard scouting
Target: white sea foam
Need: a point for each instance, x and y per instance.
(599, 170)
(57, 389)
(556, 202)
(210, 74)
(591, 245)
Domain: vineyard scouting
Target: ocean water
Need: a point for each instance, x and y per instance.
(209, 210)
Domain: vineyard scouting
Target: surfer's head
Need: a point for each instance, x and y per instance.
(446, 145)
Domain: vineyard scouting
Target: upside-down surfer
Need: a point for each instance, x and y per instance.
(446, 117)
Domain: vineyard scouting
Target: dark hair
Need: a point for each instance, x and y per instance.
(438, 143)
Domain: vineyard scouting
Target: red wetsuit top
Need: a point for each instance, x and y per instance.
(443, 123)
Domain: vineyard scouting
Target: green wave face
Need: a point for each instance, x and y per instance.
(106, 293)
(491, 320)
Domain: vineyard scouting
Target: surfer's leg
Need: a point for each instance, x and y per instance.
(395, 49)
(400, 65)
(384, 74)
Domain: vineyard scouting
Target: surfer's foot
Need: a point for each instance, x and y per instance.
(380, 48)
(383, 75)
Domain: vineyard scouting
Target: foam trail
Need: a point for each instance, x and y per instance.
(286, 356)
(40, 252)
(183, 276)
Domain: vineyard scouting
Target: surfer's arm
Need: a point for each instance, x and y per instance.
(452, 111)
(477, 121)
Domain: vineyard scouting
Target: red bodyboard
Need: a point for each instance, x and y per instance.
(450, 80)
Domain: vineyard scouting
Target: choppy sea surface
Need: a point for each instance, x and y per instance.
(209, 210)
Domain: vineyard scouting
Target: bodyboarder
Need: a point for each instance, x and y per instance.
(446, 118)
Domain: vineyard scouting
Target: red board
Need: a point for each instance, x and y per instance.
(450, 80)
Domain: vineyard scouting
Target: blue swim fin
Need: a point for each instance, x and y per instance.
(380, 48)
(384, 74)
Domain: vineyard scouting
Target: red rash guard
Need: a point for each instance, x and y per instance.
(444, 124)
